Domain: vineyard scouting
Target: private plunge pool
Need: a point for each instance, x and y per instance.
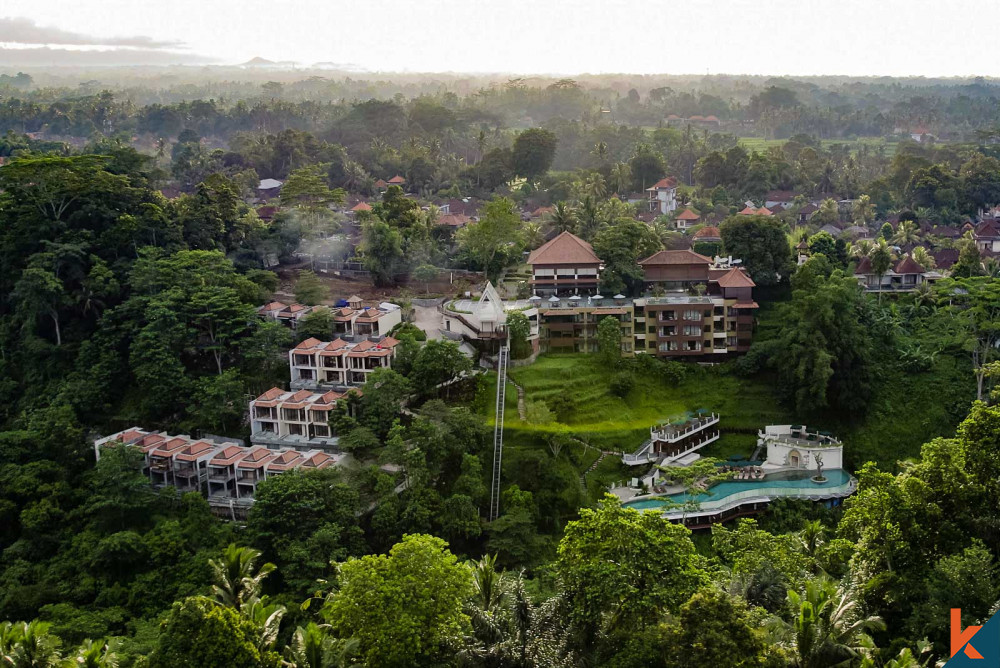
(839, 483)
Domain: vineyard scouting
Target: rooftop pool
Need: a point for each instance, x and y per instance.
(772, 484)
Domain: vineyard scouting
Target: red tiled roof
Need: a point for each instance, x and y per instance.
(397, 180)
(675, 257)
(712, 117)
(864, 266)
(763, 211)
(271, 394)
(361, 206)
(229, 455)
(273, 306)
(453, 220)
(688, 214)
(194, 451)
(664, 184)
(748, 211)
(708, 232)
(566, 248)
(908, 266)
(388, 342)
(381, 184)
(735, 278)
(308, 344)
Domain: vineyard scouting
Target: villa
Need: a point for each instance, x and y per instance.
(297, 420)
(800, 463)
(224, 470)
(315, 364)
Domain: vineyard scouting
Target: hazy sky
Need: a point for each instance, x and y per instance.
(856, 37)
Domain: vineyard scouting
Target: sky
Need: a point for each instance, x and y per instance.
(769, 37)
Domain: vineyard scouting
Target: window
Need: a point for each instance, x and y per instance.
(321, 430)
(667, 315)
(692, 345)
(669, 330)
(691, 330)
(692, 314)
(668, 346)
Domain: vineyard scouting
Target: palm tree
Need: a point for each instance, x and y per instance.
(907, 233)
(827, 629)
(236, 580)
(592, 186)
(881, 258)
(923, 257)
(28, 645)
(861, 248)
(312, 647)
(812, 536)
(533, 236)
(94, 654)
(563, 217)
(600, 151)
(620, 178)
(590, 217)
(764, 588)
(267, 618)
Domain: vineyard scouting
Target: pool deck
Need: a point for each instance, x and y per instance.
(757, 492)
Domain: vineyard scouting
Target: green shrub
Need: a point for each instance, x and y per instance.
(622, 383)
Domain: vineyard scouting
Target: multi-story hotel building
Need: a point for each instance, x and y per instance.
(225, 471)
(319, 364)
(298, 420)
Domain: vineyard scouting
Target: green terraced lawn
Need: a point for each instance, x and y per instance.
(610, 422)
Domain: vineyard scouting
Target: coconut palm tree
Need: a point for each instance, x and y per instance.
(881, 259)
(237, 581)
(563, 217)
(923, 257)
(812, 536)
(600, 151)
(533, 236)
(620, 179)
(827, 629)
(907, 233)
(861, 248)
(593, 186)
(267, 618)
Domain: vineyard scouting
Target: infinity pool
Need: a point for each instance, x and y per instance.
(834, 478)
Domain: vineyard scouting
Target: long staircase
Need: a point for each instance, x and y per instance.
(498, 431)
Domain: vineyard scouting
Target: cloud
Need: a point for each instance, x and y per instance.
(48, 57)
(20, 30)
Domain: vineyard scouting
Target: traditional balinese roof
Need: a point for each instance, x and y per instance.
(864, 266)
(988, 230)
(764, 211)
(809, 208)
(945, 258)
(735, 278)
(308, 344)
(675, 257)
(832, 230)
(397, 180)
(708, 232)
(381, 184)
(361, 206)
(453, 220)
(688, 214)
(802, 245)
(748, 211)
(712, 117)
(273, 306)
(567, 248)
(271, 395)
(667, 183)
(780, 196)
(908, 266)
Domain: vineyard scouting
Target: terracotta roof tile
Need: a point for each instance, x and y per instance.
(688, 214)
(566, 248)
(735, 278)
(675, 257)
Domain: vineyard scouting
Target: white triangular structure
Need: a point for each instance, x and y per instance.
(490, 307)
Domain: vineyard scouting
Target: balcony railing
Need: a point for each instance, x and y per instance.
(672, 434)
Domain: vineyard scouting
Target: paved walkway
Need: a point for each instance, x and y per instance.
(428, 318)
(522, 411)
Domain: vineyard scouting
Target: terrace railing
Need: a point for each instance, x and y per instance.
(643, 455)
(669, 434)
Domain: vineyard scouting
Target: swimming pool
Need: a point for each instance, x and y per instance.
(774, 484)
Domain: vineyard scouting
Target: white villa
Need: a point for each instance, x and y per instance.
(486, 318)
